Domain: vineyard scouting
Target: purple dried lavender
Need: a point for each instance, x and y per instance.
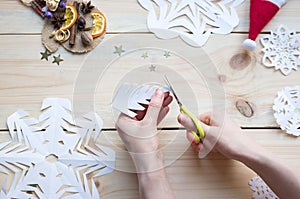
(48, 14)
(62, 4)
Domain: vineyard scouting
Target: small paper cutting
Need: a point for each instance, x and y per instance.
(260, 189)
(287, 110)
(131, 97)
(193, 20)
(281, 50)
(53, 157)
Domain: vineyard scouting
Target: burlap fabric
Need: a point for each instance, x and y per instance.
(52, 45)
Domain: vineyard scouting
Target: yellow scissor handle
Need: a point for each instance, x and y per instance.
(196, 122)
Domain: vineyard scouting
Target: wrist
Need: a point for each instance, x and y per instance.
(147, 162)
(155, 176)
(252, 155)
(155, 185)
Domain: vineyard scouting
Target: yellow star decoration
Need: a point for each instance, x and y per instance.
(167, 54)
(57, 59)
(145, 55)
(45, 55)
(119, 50)
(152, 68)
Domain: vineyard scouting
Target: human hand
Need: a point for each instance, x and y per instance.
(140, 137)
(221, 134)
(139, 134)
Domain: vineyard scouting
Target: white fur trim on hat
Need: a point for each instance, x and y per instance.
(249, 44)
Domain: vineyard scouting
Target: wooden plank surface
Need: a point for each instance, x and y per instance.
(247, 91)
(126, 16)
(26, 80)
(213, 177)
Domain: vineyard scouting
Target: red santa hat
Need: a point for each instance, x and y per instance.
(261, 13)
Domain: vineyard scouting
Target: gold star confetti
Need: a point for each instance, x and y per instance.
(45, 55)
(152, 68)
(57, 59)
(145, 55)
(119, 50)
(167, 54)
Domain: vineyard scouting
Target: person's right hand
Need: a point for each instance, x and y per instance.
(221, 134)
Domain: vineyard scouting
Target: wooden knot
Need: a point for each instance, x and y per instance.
(97, 183)
(240, 61)
(222, 78)
(244, 107)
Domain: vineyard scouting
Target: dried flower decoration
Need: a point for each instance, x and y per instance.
(87, 8)
(62, 3)
(64, 19)
(81, 23)
(48, 14)
(58, 20)
(52, 4)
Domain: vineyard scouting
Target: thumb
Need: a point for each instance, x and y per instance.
(123, 121)
(211, 135)
(155, 105)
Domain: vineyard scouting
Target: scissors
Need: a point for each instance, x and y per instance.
(198, 135)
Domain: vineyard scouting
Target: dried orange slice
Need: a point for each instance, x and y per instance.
(99, 24)
(70, 17)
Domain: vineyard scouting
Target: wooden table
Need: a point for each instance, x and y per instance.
(25, 81)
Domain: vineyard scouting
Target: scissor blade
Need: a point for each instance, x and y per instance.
(172, 90)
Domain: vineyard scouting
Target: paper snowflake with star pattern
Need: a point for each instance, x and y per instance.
(281, 50)
(192, 20)
(53, 157)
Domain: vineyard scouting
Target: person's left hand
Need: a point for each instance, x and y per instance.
(139, 134)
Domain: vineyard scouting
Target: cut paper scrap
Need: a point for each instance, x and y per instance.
(130, 97)
(287, 110)
(281, 50)
(53, 157)
(193, 20)
(260, 189)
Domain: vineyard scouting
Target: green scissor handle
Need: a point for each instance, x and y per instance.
(196, 122)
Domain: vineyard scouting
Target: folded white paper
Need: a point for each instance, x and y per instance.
(287, 110)
(130, 97)
(193, 20)
(52, 157)
(260, 189)
(281, 50)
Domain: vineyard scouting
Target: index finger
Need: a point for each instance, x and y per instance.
(188, 123)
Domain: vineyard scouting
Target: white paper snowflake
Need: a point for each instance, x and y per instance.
(281, 50)
(260, 189)
(287, 110)
(193, 20)
(131, 97)
(53, 157)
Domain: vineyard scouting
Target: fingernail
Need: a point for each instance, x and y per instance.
(182, 118)
(196, 139)
(159, 93)
(192, 140)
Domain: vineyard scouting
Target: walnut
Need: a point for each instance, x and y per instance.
(86, 38)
